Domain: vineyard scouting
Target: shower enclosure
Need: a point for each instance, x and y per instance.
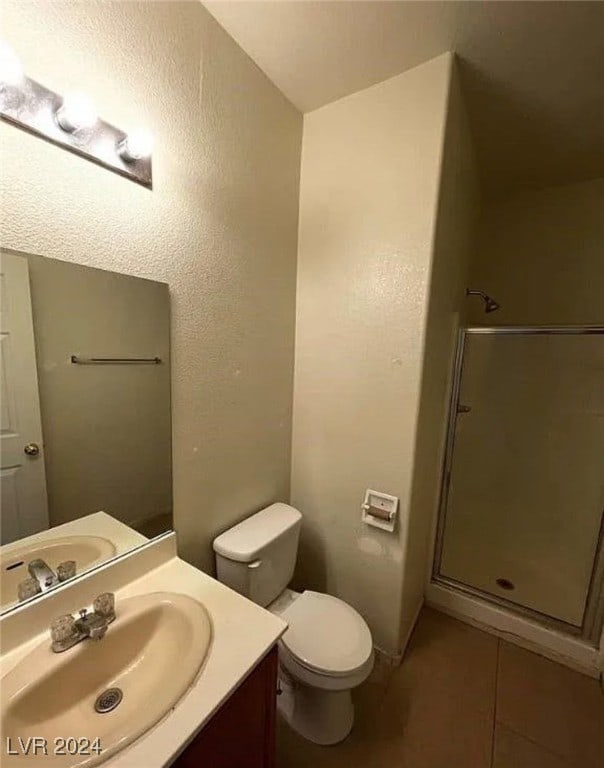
(522, 498)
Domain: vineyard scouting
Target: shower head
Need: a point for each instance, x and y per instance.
(490, 305)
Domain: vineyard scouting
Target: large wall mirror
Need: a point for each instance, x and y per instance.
(85, 432)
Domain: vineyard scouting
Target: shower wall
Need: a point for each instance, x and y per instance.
(540, 255)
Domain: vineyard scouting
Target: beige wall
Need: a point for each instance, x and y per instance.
(541, 255)
(220, 226)
(369, 187)
(106, 429)
(457, 221)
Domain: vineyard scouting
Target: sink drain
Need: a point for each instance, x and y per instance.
(108, 700)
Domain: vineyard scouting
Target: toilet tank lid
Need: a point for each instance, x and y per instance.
(245, 541)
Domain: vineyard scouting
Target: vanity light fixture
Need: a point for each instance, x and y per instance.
(70, 121)
(136, 145)
(76, 112)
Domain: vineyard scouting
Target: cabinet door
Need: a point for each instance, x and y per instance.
(242, 733)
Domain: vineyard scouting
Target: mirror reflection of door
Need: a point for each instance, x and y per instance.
(24, 501)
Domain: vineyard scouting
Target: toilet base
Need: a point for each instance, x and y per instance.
(321, 716)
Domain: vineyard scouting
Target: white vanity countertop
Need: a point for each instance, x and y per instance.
(242, 635)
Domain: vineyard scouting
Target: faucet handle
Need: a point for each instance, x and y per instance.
(66, 570)
(104, 605)
(62, 630)
(64, 633)
(28, 588)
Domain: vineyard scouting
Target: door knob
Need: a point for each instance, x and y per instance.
(32, 449)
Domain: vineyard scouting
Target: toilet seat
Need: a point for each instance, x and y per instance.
(326, 636)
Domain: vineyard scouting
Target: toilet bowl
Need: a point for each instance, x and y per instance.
(327, 649)
(325, 653)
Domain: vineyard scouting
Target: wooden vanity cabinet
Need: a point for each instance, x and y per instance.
(242, 733)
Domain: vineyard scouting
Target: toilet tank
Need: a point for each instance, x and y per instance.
(257, 557)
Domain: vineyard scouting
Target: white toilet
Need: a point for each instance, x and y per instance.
(327, 649)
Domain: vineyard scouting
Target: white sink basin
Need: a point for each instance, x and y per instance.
(153, 652)
(87, 551)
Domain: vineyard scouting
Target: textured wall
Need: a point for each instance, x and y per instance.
(457, 221)
(369, 187)
(541, 255)
(220, 226)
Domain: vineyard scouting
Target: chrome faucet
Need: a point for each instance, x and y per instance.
(42, 577)
(67, 630)
(42, 573)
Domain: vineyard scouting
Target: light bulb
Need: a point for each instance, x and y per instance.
(136, 145)
(11, 71)
(77, 111)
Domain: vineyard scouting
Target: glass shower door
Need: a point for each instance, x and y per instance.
(526, 486)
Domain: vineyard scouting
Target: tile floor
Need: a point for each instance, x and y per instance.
(464, 699)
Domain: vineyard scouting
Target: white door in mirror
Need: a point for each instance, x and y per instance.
(23, 479)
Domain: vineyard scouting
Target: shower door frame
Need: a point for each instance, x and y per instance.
(593, 615)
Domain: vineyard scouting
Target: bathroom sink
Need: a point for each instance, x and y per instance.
(152, 652)
(85, 550)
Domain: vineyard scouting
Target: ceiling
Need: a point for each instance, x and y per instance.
(533, 72)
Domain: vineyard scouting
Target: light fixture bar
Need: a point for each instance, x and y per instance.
(34, 108)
